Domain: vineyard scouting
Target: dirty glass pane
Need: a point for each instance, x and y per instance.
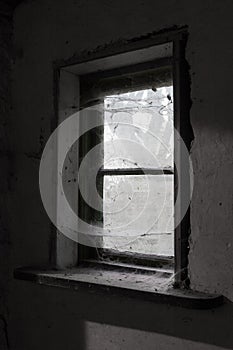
(141, 207)
(138, 129)
(138, 133)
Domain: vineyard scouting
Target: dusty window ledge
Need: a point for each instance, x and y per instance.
(147, 285)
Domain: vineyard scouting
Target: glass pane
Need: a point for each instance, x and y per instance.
(141, 207)
(138, 129)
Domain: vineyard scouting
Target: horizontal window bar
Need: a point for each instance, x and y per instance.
(139, 259)
(136, 171)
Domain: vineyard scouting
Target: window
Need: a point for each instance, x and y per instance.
(142, 94)
(142, 91)
(146, 218)
(136, 179)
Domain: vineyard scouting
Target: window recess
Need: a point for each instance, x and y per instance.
(138, 96)
(142, 91)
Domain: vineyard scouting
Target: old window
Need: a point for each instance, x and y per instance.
(141, 96)
(138, 171)
(138, 93)
(136, 179)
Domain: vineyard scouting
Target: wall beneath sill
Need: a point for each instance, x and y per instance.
(43, 317)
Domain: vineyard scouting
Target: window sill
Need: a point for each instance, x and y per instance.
(145, 284)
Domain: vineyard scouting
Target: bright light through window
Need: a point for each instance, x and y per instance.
(138, 136)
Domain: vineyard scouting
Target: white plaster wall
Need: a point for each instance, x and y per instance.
(47, 30)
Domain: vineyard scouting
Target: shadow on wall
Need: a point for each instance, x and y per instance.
(59, 317)
(4, 342)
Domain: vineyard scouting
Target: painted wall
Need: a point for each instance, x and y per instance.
(50, 318)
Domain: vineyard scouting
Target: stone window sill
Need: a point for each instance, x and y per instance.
(147, 284)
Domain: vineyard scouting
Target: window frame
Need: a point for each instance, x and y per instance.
(162, 69)
(62, 251)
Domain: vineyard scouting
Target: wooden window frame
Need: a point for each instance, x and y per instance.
(64, 251)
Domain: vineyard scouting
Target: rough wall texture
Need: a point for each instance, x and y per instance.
(6, 24)
(46, 318)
